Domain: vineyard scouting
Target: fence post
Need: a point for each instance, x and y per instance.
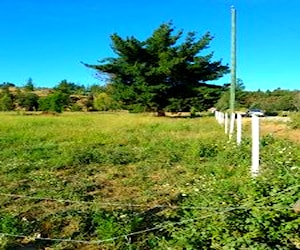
(255, 146)
(239, 129)
(218, 116)
(226, 123)
(221, 118)
(231, 128)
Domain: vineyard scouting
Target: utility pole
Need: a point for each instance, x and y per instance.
(233, 59)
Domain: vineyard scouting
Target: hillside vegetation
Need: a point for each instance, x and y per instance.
(134, 181)
(67, 96)
(168, 72)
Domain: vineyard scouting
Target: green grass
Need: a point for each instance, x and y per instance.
(104, 159)
(49, 151)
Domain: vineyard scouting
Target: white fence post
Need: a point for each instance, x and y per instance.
(218, 116)
(231, 128)
(239, 129)
(255, 146)
(226, 123)
(221, 117)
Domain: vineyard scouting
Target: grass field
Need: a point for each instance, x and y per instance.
(166, 183)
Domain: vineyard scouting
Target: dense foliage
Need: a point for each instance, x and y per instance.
(68, 96)
(272, 102)
(138, 182)
(160, 73)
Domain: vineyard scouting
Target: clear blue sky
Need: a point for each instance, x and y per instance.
(47, 39)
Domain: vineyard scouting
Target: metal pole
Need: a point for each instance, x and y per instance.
(233, 59)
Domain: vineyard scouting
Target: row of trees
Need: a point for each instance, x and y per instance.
(67, 96)
(165, 72)
(270, 101)
(62, 97)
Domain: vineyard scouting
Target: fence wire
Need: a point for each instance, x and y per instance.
(216, 210)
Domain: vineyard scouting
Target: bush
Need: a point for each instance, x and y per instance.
(28, 101)
(136, 108)
(75, 107)
(104, 102)
(6, 103)
(55, 102)
(271, 113)
(295, 121)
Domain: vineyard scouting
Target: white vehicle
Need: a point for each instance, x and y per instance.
(257, 112)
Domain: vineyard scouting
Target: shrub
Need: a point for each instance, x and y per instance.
(295, 121)
(271, 113)
(6, 103)
(55, 102)
(104, 102)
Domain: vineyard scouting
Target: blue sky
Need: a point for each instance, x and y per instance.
(47, 39)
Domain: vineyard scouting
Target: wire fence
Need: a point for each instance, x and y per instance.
(131, 205)
(215, 210)
(125, 236)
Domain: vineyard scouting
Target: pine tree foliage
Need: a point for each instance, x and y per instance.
(160, 70)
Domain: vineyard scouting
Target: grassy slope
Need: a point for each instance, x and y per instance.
(119, 158)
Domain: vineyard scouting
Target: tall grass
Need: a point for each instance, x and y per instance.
(295, 121)
(132, 172)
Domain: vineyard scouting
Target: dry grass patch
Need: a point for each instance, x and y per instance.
(281, 130)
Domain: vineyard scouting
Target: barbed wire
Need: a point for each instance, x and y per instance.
(125, 236)
(130, 205)
(158, 227)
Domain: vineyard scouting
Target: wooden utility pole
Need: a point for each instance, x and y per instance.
(233, 59)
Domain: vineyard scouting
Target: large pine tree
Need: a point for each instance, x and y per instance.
(160, 71)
